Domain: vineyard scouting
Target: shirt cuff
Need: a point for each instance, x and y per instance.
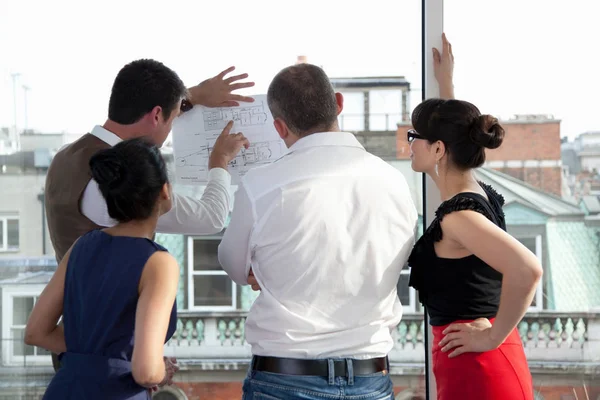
(219, 174)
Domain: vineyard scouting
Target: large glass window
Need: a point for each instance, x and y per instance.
(371, 52)
(510, 61)
(545, 166)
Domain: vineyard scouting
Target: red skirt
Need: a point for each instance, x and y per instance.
(499, 374)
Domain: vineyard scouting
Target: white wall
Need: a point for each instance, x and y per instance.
(20, 196)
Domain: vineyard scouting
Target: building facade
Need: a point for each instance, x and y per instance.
(561, 332)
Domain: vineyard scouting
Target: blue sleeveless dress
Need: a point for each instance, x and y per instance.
(101, 296)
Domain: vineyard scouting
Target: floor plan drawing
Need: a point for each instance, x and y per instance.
(195, 132)
(257, 153)
(244, 116)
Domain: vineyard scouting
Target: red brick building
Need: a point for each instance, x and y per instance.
(530, 151)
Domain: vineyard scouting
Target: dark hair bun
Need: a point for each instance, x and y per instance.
(487, 132)
(130, 177)
(107, 168)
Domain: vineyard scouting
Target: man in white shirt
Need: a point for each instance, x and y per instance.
(191, 216)
(145, 99)
(325, 230)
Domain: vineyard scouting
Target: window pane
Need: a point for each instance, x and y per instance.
(19, 346)
(22, 307)
(352, 117)
(212, 290)
(534, 301)
(206, 255)
(382, 40)
(404, 290)
(1, 233)
(529, 243)
(546, 168)
(385, 107)
(41, 352)
(12, 232)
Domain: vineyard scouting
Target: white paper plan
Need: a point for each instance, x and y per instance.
(195, 132)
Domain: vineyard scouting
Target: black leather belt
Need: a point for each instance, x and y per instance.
(294, 366)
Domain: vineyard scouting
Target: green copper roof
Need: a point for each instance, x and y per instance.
(574, 262)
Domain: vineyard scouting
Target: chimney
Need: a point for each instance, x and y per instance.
(301, 60)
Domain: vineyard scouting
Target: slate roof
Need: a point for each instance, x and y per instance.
(515, 190)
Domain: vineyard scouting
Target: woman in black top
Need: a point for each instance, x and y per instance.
(475, 279)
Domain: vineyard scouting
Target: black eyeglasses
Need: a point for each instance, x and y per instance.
(412, 135)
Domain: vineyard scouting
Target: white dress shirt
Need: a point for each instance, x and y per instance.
(188, 216)
(326, 229)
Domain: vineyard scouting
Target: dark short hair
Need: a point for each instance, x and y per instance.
(130, 176)
(462, 128)
(139, 87)
(302, 96)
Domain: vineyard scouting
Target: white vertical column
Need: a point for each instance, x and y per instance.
(433, 19)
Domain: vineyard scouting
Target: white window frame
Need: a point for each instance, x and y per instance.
(432, 27)
(539, 291)
(8, 294)
(4, 244)
(191, 274)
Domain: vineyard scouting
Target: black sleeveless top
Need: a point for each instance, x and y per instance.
(457, 288)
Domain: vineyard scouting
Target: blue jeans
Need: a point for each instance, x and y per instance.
(260, 385)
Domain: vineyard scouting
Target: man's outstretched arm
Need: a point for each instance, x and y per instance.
(217, 91)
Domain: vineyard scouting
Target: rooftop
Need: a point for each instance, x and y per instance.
(516, 191)
(531, 119)
(29, 278)
(591, 204)
(370, 82)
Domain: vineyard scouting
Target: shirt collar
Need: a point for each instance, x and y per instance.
(344, 139)
(105, 135)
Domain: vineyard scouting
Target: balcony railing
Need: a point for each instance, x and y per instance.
(554, 342)
(551, 340)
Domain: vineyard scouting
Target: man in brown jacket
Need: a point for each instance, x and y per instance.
(146, 97)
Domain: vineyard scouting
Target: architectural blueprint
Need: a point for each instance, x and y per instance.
(195, 132)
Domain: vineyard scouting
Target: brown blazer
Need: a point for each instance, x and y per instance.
(67, 178)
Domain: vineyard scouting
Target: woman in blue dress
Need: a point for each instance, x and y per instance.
(115, 289)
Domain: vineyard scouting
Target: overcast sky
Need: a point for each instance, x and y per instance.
(526, 56)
